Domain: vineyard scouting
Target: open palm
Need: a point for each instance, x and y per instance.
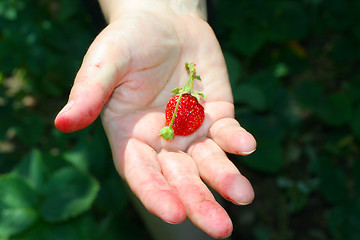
(128, 74)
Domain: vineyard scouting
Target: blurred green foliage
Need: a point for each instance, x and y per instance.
(293, 67)
(52, 185)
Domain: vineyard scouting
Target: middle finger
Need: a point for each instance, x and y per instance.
(182, 175)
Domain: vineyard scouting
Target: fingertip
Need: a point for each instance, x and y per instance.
(213, 219)
(242, 142)
(73, 117)
(62, 122)
(67, 124)
(167, 206)
(238, 189)
(232, 138)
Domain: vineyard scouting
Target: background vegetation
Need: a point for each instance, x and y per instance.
(294, 70)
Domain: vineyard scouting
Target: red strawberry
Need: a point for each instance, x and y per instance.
(184, 114)
(189, 115)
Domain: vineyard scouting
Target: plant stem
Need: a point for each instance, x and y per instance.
(189, 81)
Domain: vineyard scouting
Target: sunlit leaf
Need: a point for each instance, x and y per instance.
(281, 70)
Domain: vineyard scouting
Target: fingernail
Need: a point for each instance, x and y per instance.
(67, 107)
(242, 203)
(248, 153)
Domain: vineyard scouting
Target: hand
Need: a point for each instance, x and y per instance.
(128, 73)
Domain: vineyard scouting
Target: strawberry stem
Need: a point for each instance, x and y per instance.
(188, 88)
(168, 132)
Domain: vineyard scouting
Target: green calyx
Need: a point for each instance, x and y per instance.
(168, 132)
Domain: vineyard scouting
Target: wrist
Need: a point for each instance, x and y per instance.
(113, 9)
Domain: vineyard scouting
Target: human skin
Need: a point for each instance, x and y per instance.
(127, 76)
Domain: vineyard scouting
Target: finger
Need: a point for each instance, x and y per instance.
(220, 173)
(181, 173)
(105, 63)
(231, 137)
(142, 172)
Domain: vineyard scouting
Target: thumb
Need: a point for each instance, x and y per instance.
(103, 67)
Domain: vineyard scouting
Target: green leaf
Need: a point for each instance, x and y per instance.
(234, 68)
(10, 9)
(355, 169)
(81, 228)
(68, 193)
(30, 129)
(197, 77)
(267, 158)
(248, 39)
(355, 122)
(32, 168)
(98, 151)
(78, 156)
(352, 88)
(289, 22)
(113, 197)
(200, 93)
(344, 220)
(309, 93)
(297, 193)
(336, 109)
(333, 180)
(281, 70)
(176, 90)
(346, 51)
(17, 205)
(262, 232)
(274, 92)
(250, 95)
